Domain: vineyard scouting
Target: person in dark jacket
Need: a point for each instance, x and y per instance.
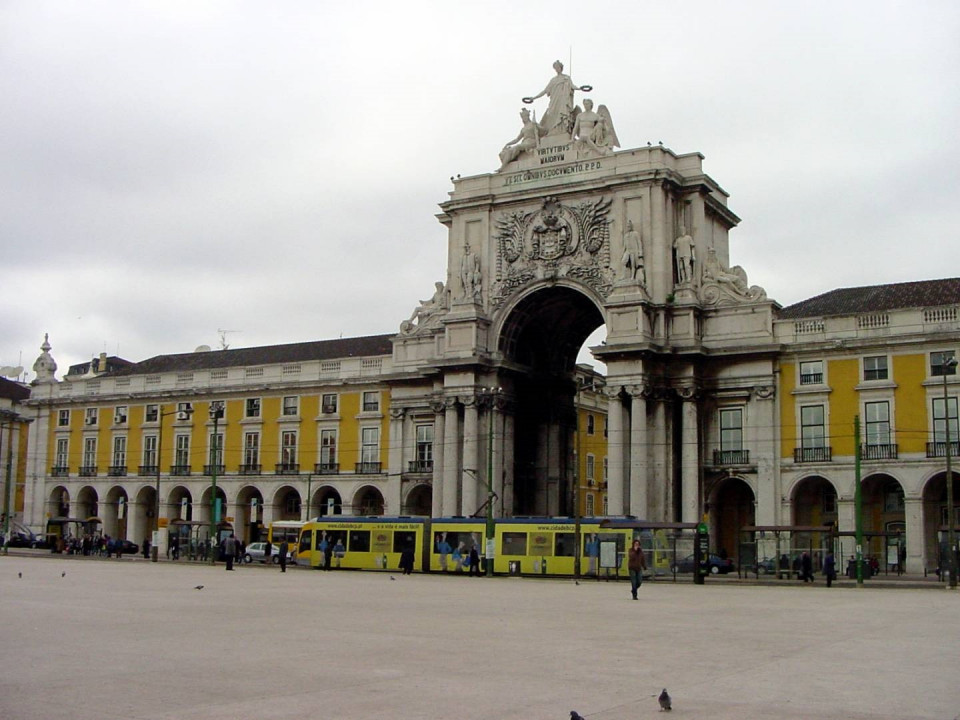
(830, 568)
(636, 564)
(806, 567)
(282, 551)
(474, 561)
(229, 550)
(406, 561)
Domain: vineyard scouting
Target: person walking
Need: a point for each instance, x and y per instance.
(636, 564)
(230, 550)
(806, 567)
(474, 561)
(283, 550)
(146, 548)
(267, 552)
(326, 547)
(241, 549)
(830, 568)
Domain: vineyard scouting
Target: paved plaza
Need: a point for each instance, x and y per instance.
(133, 640)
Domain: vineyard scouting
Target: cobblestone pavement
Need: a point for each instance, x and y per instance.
(133, 640)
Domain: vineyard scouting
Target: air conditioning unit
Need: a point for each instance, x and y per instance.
(185, 407)
(91, 420)
(182, 415)
(329, 409)
(119, 419)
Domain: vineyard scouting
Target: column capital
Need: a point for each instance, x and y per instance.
(688, 392)
(438, 404)
(643, 390)
(397, 413)
(764, 392)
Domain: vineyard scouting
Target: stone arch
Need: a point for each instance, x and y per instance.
(934, 496)
(418, 500)
(87, 504)
(540, 333)
(177, 509)
(247, 518)
(58, 502)
(732, 506)
(326, 501)
(286, 503)
(814, 501)
(115, 512)
(203, 512)
(368, 500)
(882, 499)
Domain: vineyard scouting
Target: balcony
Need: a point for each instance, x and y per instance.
(420, 466)
(88, 471)
(812, 379)
(60, 471)
(181, 470)
(117, 471)
(368, 468)
(288, 469)
(810, 455)
(731, 457)
(208, 470)
(879, 452)
(146, 470)
(250, 469)
(326, 468)
(939, 449)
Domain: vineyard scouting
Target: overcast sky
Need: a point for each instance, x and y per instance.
(171, 169)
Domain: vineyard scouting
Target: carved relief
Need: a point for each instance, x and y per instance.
(764, 392)
(553, 242)
(723, 286)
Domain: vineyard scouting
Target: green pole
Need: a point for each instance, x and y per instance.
(858, 500)
(216, 412)
(489, 539)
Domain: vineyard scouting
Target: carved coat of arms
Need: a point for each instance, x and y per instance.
(555, 241)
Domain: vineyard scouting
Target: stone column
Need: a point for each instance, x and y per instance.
(498, 448)
(471, 456)
(439, 445)
(451, 459)
(639, 453)
(615, 452)
(659, 495)
(690, 457)
(508, 463)
(916, 547)
(395, 448)
(761, 415)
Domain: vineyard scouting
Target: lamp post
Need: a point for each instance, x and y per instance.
(216, 453)
(492, 394)
(155, 552)
(948, 365)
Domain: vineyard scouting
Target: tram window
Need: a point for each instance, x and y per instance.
(306, 540)
(359, 541)
(404, 541)
(564, 544)
(514, 543)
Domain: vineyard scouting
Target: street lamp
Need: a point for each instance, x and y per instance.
(948, 365)
(187, 411)
(216, 454)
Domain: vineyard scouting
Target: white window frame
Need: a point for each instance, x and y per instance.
(149, 454)
(288, 408)
(89, 451)
(370, 450)
(878, 430)
(591, 466)
(942, 427)
(63, 418)
(822, 425)
(151, 413)
(91, 416)
(939, 369)
(876, 371)
(181, 455)
(425, 439)
(731, 436)
(591, 424)
(331, 407)
(251, 448)
(119, 451)
(288, 450)
(252, 408)
(811, 373)
(373, 395)
(62, 452)
(121, 413)
(215, 448)
(328, 447)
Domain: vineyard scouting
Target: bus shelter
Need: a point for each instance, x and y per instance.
(776, 549)
(894, 556)
(667, 546)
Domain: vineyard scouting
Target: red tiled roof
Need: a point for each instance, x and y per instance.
(877, 298)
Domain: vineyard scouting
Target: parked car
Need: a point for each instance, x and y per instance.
(127, 547)
(20, 539)
(257, 551)
(718, 565)
(767, 566)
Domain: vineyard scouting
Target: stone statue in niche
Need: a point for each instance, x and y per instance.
(560, 115)
(427, 311)
(684, 252)
(593, 131)
(720, 282)
(470, 276)
(525, 141)
(632, 259)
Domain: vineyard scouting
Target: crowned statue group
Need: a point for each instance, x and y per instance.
(590, 130)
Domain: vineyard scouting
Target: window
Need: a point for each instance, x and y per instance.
(811, 373)
(90, 416)
(251, 449)
(291, 405)
(591, 424)
(63, 418)
(150, 450)
(328, 404)
(371, 401)
(564, 544)
(945, 422)
(370, 445)
(216, 449)
(63, 445)
(288, 448)
(731, 429)
(358, 541)
(514, 543)
(605, 426)
(812, 434)
(893, 498)
(938, 363)
(120, 414)
(828, 502)
(152, 413)
(875, 367)
(878, 423)
(252, 408)
(182, 452)
(184, 407)
(424, 446)
(328, 449)
(606, 467)
(119, 451)
(89, 452)
(605, 504)
(591, 467)
(589, 507)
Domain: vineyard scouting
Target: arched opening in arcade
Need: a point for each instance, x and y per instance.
(144, 513)
(87, 505)
(935, 516)
(224, 527)
(814, 504)
(368, 501)
(326, 501)
(417, 501)
(731, 506)
(116, 513)
(248, 515)
(883, 514)
(286, 504)
(541, 340)
(179, 504)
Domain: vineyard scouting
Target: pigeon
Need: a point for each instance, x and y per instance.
(574, 715)
(19, 574)
(199, 587)
(63, 574)
(665, 701)
(576, 582)
(392, 577)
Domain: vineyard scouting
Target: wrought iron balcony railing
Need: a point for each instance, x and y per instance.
(117, 471)
(208, 469)
(420, 466)
(731, 457)
(886, 451)
(288, 469)
(939, 449)
(368, 468)
(180, 470)
(814, 454)
(250, 469)
(326, 468)
(88, 471)
(60, 471)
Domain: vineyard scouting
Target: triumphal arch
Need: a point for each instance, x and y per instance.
(566, 233)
